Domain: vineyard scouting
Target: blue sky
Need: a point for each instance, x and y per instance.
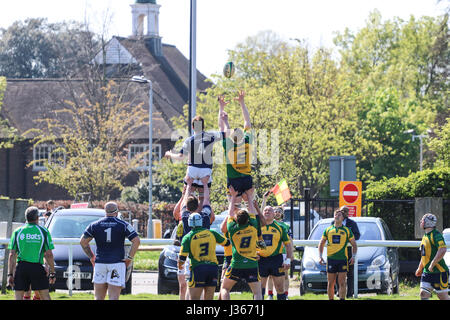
(221, 24)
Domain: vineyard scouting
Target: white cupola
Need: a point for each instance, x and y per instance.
(145, 13)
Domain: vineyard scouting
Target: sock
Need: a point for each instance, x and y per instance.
(263, 291)
(35, 297)
(270, 292)
(26, 297)
(281, 296)
(286, 293)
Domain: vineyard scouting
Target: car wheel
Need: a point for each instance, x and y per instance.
(302, 288)
(128, 285)
(162, 288)
(396, 286)
(388, 286)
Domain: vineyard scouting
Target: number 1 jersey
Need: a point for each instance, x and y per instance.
(109, 234)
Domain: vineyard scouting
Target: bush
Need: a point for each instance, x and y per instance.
(400, 215)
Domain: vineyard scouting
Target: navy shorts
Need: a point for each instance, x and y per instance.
(435, 281)
(240, 184)
(334, 266)
(204, 275)
(271, 266)
(249, 275)
(27, 274)
(226, 262)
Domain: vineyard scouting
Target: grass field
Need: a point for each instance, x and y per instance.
(148, 261)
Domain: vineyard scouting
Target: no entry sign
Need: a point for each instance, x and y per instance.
(350, 193)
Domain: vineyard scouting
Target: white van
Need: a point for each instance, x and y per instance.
(299, 220)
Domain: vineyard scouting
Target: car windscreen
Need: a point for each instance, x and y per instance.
(70, 226)
(447, 239)
(368, 231)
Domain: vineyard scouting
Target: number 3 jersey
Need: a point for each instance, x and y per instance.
(200, 245)
(109, 234)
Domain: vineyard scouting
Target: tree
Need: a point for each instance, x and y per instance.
(7, 133)
(35, 48)
(440, 144)
(91, 139)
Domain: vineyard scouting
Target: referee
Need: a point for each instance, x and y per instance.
(30, 245)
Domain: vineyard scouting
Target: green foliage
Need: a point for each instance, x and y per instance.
(420, 184)
(35, 48)
(7, 133)
(441, 145)
(93, 142)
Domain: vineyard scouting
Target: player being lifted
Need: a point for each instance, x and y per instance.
(237, 146)
(198, 148)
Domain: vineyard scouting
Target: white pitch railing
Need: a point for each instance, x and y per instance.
(309, 243)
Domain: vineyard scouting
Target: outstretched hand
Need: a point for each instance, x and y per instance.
(240, 97)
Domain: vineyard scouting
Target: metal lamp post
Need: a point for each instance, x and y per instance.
(142, 79)
(420, 137)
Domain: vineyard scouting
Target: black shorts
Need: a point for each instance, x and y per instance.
(240, 184)
(204, 275)
(226, 262)
(271, 266)
(30, 274)
(336, 266)
(248, 275)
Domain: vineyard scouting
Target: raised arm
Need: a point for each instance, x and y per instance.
(223, 123)
(245, 113)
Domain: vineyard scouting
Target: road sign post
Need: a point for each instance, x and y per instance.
(350, 195)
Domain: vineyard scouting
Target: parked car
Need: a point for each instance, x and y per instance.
(446, 234)
(71, 223)
(167, 265)
(378, 267)
(299, 220)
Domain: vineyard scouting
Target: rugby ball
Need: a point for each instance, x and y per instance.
(228, 69)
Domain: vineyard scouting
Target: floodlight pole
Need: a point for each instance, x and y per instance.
(421, 137)
(192, 65)
(141, 79)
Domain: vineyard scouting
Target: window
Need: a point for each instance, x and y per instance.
(136, 149)
(46, 153)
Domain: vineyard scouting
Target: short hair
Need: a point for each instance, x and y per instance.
(196, 121)
(192, 203)
(242, 217)
(111, 207)
(32, 214)
(50, 202)
(344, 210)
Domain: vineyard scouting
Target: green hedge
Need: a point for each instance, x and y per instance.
(420, 184)
(399, 216)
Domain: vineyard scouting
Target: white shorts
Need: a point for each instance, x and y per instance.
(110, 273)
(186, 269)
(198, 173)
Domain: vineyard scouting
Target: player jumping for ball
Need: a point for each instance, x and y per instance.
(237, 146)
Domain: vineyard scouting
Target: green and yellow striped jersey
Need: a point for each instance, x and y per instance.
(243, 241)
(431, 243)
(200, 245)
(337, 241)
(276, 237)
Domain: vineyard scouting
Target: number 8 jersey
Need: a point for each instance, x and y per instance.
(109, 234)
(243, 240)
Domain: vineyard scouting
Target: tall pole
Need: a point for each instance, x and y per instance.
(150, 160)
(141, 79)
(192, 65)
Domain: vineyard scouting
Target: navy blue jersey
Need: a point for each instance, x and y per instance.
(109, 234)
(199, 148)
(206, 218)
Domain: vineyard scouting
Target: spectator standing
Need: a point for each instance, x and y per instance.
(353, 226)
(30, 245)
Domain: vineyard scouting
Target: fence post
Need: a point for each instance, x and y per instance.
(355, 277)
(136, 224)
(70, 269)
(307, 213)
